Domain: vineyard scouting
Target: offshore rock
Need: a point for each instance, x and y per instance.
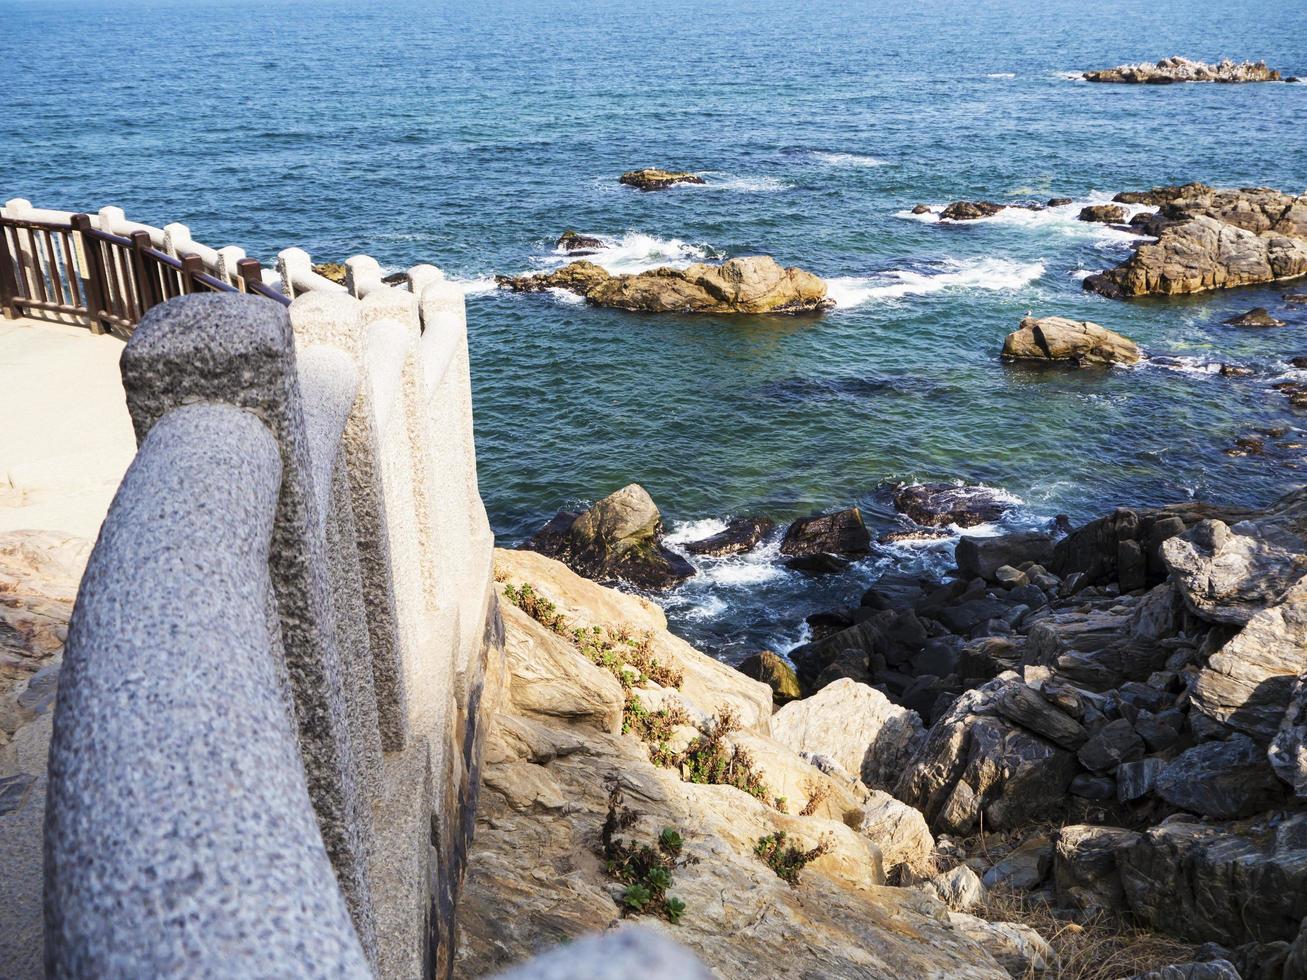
(1258, 316)
(767, 667)
(618, 539)
(1077, 342)
(1179, 69)
(938, 504)
(654, 179)
(1215, 239)
(840, 533)
(749, 284)
(570, 241)
(971, 210)
(740, 535)
(1105, 213)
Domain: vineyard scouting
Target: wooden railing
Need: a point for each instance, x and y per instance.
(76, 270)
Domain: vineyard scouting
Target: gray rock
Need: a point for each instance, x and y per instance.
(1028, 708)
(1135, 780)
(984, 556)
(1225, 780)
(965, 617)
(959, 889)
(939, 504)
(1159, 731)
(1207, 970)
(1085, 871)
(740, 535)
(1090, 787)
(839, 533)
(1024, 867)
(1114, 743)
(1288, 751)
(1229, 574)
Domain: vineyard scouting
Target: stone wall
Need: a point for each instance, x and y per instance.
(266, 745)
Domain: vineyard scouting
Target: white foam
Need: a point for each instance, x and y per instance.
(1182, 364)
(1002, 74)
(566, 296)
(754, 567)
(476, 287)
(741, 184)
(1083, 274)
(684, 532)
(847, 159)
(984, 273)
(638, 252)
(1061, 220)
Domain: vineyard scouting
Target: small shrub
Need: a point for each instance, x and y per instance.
(817, 794)
(645, 869)
(654, 728)
(710, 759)
(785, 859)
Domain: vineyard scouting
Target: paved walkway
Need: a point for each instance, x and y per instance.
(65, 439)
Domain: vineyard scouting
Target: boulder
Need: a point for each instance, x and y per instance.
(1028, 708)
(1085, 873)
(576, 277)
(1114, 743)
(1024, 867)
(921, 209)
(1216, 882)
(1057, 202)
(1081, 343)
(1226, 780)
(655, 179)
(1227, 574)
(1288, 751)
(618, 539)
(1180, 69)
(570, 241)
(856, 726)
(959, 889)
(1164, 195)
(940, 504)
(1136, 779)
(775, 673)
(984, 556)
(1105, 213)
(1258, 316)
(971, 210)
(740, 534)
(901, 834)
(840, 533)
(1021, 950)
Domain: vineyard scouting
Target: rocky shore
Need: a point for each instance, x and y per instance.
(1175, 69)
(1102, 726)
(749, 284)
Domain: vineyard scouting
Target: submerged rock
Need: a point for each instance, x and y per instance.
(938, 504)
(840, 533)
(741, 534)
(1077, 342)
(749, 284)
(570, 241)
(1258, 316)
(1180, 69)
(619, 538)
(655, 179)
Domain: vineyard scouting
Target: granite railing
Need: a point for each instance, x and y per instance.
(267, 739)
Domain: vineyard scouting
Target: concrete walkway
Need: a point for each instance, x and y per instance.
(66, 438)
(65, 442)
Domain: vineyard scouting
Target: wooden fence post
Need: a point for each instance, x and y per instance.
(249, 271)
(8, 277)
(94, 259)
(192, 266)
(147, 289)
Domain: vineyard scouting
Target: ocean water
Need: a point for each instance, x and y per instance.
(470, 135)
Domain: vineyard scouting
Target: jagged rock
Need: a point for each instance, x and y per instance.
(840, 533)
(1077, 342)
(856, 726)
(1028, 708)
(1228, 574)
(775, 673)
(971, 210)
(1259, 316)
(1150, 223)
(748, 284)
(1085, 871)
(1024, 867)
(1247, 684)
(1225, 780)
(984, 556)
(1216, 240)
(1105, 213)
(1021, 950)
(740, 535)
(1206, 970)
(938, 504)
(901, 833)
(1164, 195)
(1135, 780)
(570, 241)
(1090, 787)
(1113, 744)
(1288, 751)
(1295, 965)
(974, 761)
(1180, 69)
(1057, 202)
(618, 539)
(1201, 881)
(959, 889)
(654, 179)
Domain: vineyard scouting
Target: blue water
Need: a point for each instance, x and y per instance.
(471, 135)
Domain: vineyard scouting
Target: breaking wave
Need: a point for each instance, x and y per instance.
(984, 273)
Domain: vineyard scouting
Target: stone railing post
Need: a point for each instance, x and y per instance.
(176, 239)
(238, 349)
(362, 275)
(229, 259)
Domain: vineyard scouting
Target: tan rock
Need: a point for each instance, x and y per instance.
(1078, 342)
(1180, 69)
(655, 179)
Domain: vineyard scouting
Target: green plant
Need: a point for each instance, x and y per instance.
(654, 728)
(711, 759)
(787, 860)
(817, 794)
(645, 869)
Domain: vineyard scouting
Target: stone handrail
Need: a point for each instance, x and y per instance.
(267, 740)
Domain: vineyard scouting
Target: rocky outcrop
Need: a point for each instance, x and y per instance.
(1224, 780)
(841, 533)
(1179, 69)
(984, 556)
(535, 877)
(654, 179)
(939, 504)
(1076, 342)
(740, 535)
(618, 539)
(1213, 239)
(570, 241)
(767, 667)
(971, 210)
(749, 284)
(1258, 316)
(1105, 213)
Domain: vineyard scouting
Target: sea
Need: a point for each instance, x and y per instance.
(470, 135)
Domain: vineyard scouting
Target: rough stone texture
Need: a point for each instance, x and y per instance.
(740, 535)
(1181, 69)
(155, 866)
(619, 538)
(939, 504)
(959, 889)
(901, 833)
(1085, 866)
(1028, 708)
(1019, 948)
(656, 179)
(1257, 317)
(1078, 342)
(748, 284)
(839, 533)
(1288, 752)
(1207, 970)
(856, 726)
(984, 556)
(535, 880)
(1107, 213)
(1224, 780)
(1229, 883)
(1024, 867)
(1229, 573)
(767, 667)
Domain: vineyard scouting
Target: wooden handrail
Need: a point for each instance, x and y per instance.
(74, 269)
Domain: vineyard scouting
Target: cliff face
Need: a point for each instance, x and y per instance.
(538, 874)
